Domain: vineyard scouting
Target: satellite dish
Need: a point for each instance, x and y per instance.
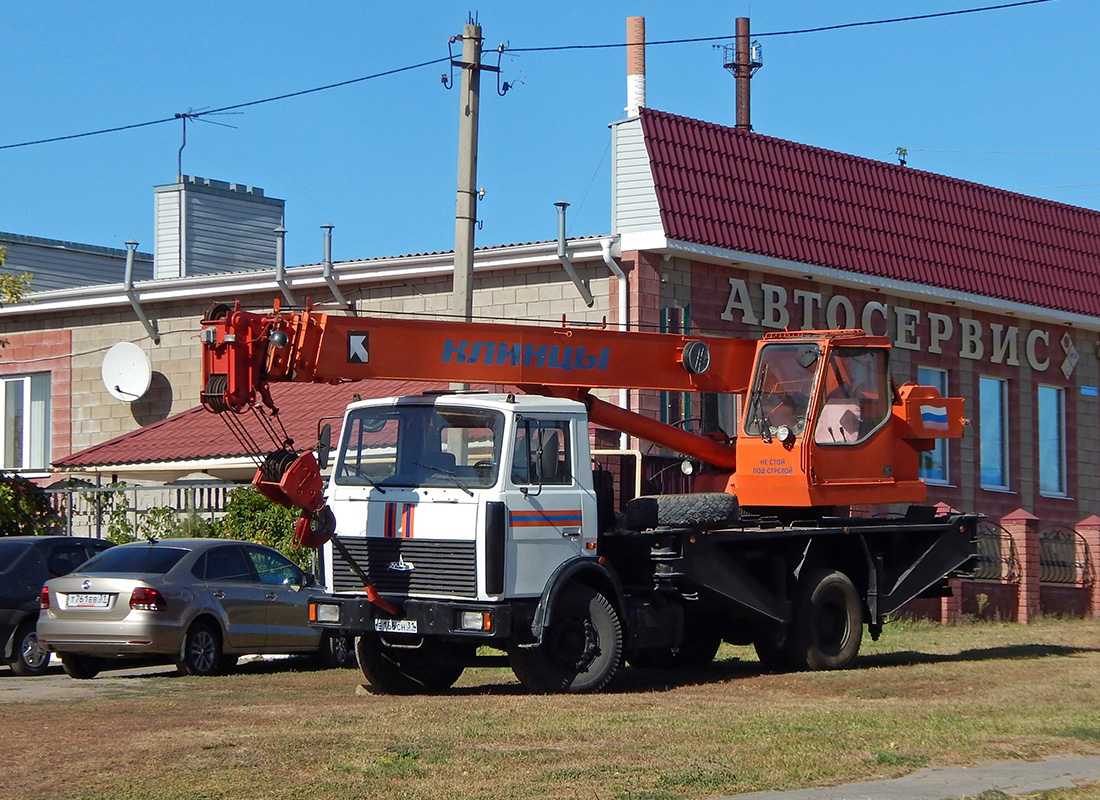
(126, 372)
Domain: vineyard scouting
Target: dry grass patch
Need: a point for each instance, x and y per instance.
(924, 695)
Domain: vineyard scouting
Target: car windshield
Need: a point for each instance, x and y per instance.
(10, 551)
(141, 559)
(421, 445)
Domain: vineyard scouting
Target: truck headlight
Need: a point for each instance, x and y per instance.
(475, 621)
(324, 612)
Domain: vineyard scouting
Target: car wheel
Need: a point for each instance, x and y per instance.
(30, 658)
(202, 651)
(80, 667)
(337, 651)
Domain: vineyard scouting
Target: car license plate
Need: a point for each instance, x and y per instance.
(86, 601)
(395, 625)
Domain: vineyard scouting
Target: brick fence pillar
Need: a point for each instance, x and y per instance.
(1089, 528)
(951, 606)
(1024, 530)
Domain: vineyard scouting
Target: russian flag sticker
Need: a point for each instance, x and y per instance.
(933, 418)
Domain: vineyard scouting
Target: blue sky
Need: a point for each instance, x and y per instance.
(378, 158)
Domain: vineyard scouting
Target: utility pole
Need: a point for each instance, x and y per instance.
(462, 302)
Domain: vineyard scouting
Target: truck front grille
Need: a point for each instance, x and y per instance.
(408, 566)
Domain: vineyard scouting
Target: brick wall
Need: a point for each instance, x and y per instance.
(84, 413)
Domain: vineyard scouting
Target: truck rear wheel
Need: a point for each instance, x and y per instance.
(828, 623)
(580, 649)
(424, 669)
(700, 644)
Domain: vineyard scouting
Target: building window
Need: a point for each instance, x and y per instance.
(933, 463)
(676, 406)
(993, 429)
(26, 441)
(1052, 441)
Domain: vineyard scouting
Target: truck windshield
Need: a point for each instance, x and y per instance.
(420, 445)
(781, 389)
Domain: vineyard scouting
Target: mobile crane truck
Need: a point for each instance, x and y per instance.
(457, 519)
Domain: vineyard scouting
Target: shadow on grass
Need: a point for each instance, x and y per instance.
(904, 658)
(630, 680)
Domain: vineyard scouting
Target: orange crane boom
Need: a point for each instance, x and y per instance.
(245, 351)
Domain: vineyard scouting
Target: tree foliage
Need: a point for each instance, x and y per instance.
(25, 509)
(12, 287)
(250, 516)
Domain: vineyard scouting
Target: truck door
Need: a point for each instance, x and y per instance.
(546, 505)
(851, 436)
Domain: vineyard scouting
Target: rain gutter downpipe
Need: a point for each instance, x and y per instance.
(280, 265)
(131, 295)
(564, 257)
(326, 269)
(620, 276)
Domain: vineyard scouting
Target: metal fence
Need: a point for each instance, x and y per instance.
(996, 559)
(1064, 557)
(101, 511)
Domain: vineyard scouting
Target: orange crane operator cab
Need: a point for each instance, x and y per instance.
(824, 426)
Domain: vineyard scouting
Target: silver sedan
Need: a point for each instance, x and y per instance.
(198, 602)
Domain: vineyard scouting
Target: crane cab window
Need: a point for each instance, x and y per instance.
(781, 388)
(541, 454)
(855, 396)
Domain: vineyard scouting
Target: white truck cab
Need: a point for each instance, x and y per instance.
(464, 496)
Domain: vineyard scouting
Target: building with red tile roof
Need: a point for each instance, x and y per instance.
(988, 294)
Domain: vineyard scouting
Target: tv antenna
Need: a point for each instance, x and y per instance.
(198, 115)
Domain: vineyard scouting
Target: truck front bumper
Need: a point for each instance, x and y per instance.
(436, 618)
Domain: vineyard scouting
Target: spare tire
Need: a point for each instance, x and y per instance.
(699, 510)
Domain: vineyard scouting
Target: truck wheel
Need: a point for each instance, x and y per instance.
(29, 657)
(431, 667)
(699, 647)
(828, 623)
(773, 658)
(580, 649)
(80, 667)
(702, 509)
(690, 655)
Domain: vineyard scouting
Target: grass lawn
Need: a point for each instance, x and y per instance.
(922, 695)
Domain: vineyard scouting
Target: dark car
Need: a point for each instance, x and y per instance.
(27, 562)
(199, 603)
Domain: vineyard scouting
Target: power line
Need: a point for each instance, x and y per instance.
(821, 29)
(410, 67)
(233, 107)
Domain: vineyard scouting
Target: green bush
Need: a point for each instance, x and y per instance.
(250, 516)
(25, 509)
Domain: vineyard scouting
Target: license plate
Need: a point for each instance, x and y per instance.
(395, 625)
(87, 601)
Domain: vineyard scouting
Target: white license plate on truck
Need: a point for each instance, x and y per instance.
(395, 625)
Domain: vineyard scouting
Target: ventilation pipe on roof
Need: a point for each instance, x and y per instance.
(326, 269)
(131, 295)
(563, 256)
(635, 65)
(280, 265)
